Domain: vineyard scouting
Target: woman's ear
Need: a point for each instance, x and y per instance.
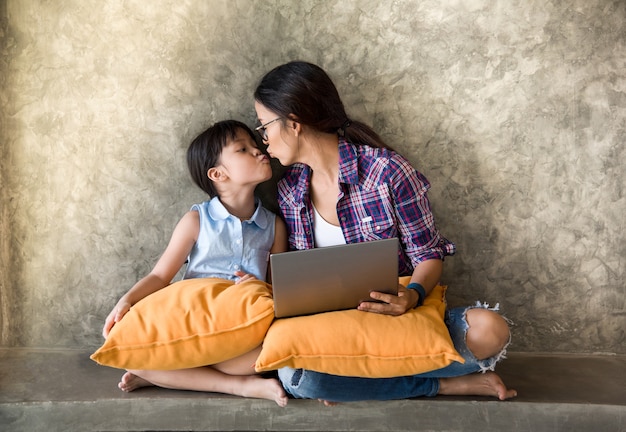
(295, 127)
(295, 124)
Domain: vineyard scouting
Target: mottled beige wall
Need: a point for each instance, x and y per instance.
(515, 110)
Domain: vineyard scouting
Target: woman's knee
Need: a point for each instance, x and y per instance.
(488, 333)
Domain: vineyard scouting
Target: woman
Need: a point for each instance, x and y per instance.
(345, 185)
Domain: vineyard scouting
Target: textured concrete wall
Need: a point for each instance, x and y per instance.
(515, 110)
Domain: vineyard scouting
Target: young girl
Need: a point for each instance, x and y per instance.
(225, 162)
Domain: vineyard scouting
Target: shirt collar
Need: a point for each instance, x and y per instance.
(219, 212)
(348, 171)
(303, 174)
(348, 163)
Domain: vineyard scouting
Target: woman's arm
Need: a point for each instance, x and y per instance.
(419, 238)
(427, 274)
(183, 238)
(280, 242)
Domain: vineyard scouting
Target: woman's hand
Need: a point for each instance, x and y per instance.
(391, 304)
(118, 312)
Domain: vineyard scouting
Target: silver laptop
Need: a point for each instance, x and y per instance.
(332, 278)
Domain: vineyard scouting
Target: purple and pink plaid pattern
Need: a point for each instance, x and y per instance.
(381, 196)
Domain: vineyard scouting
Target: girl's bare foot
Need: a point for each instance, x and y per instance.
(131, 382)
(263, 388)
(479, 384)
(328, 403)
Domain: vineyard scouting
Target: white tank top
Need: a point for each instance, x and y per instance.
(324, 233)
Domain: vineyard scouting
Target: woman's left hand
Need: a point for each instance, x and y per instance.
(391, 304)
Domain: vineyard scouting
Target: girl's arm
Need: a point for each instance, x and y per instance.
(183, 238)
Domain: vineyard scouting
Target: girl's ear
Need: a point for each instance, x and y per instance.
(215, 174)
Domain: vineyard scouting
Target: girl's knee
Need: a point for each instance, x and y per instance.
(488, 333)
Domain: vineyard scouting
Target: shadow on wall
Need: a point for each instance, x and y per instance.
(471, 222)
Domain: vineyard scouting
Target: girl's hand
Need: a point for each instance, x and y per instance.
(115, 316)
(391, 304)
(243, 276)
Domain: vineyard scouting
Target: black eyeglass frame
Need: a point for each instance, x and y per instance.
(261, 130)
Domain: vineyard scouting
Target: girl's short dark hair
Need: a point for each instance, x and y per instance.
(205, 150)
(305, 90)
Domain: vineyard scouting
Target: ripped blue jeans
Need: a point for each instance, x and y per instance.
(306, 384)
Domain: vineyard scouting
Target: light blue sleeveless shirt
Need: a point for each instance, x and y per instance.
(226, 244)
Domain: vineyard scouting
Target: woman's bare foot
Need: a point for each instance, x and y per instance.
(131, 382)
(263, 388)
(479, 384)
(328, 403)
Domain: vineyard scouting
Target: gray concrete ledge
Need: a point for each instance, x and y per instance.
(50, 390)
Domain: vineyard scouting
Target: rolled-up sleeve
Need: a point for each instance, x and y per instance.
(418, 232)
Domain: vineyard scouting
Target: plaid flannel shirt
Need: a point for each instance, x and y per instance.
(381, 196)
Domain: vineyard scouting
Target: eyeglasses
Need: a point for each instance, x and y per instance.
(261, 129)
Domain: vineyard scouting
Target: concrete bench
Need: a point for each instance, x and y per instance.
(63, 390)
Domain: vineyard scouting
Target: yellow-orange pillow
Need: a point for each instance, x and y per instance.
(193, 322)
(363, 344)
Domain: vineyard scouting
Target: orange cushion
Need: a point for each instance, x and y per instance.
(193, 322)
(363, 344)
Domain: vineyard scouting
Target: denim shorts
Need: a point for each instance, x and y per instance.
(306, 384)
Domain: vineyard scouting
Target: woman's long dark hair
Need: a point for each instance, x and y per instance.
(305, 90)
